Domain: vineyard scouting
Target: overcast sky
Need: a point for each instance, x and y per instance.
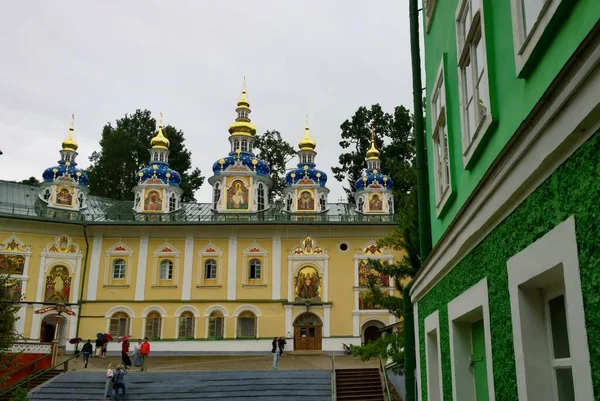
(187, 59)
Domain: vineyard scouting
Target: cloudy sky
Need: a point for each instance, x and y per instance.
(187, 59)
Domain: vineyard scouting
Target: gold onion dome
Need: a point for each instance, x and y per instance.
(242, 125)
(373, 153)
(70, 143)
(160, 141)
(307, 143)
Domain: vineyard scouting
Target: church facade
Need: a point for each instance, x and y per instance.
(224, 276)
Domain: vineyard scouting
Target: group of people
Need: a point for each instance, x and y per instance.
(140, 353)
(115, 381)
(277, 350)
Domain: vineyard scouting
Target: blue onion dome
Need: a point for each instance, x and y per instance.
(374, 179)
(306, 174)
(158, 173)
(67, 167)
(245, 159)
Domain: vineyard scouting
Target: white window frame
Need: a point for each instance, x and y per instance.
(465, 50)
(525, 42)
(546, 260)
(429, 6)
(433, 356)
(122, 271)
(261, 197)
(470, 306)
(213, 268)
(216, 195)
(257, 263)
(168, 276)
(439, 129)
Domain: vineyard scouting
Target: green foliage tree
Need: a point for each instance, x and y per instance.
(124, 150)
(9, 305)
(30, 181)
(277, 152)
(20, 394)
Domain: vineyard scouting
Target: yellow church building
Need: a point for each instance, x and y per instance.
(225, 276)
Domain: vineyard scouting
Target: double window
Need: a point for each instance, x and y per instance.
(186, 325)
(440, 140)
(216, 324)
(153, 325)
(254, 271)
(246, 325)
(119, 324)
(166, 270)
(118, 270)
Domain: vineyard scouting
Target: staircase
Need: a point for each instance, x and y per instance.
(282, 385)
(41, 379)
(358, 384)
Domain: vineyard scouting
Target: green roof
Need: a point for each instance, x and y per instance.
(22, 201)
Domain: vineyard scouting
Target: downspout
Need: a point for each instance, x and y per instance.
(80, 300)
(422, 195)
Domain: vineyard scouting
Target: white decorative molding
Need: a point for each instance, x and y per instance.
(232, 268)
(244, 308)
(188, 267)
(178, 312)
(118, 251)
(276, 263)
(140, 282)
(163, 316)
(119, 308)
(166, 251)
(418, 350)
(255, 251)
(326, 321)
(210, 251)
(92, 285)
(433, 356)
(219, 308)
(31, 348)
(13, 246)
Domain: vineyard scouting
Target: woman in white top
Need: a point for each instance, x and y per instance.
(108, 388)
(137, 358)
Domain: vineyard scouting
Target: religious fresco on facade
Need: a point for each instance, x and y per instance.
(237, 195)
(64, 197)
(366, 273)
(375, 203)
(63, 244)
(12, 264)
(15, 290)
(153, 201)
(308, 247)
(58, 285)
(366, 301)
(308, 284)
(306, 201)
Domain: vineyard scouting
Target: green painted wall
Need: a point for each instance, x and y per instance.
(572, 190)
(512, 98)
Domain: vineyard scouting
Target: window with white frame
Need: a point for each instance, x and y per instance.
(433, 357)
(186, 325)
(440, 139)
(172, 202)
(119, 324)
(166, 270)
(216, 324)
(210, 269)
(549, 332)
(261, 196)
(217, 195)
(360, 204)
(473, 77)
(244, 146)
(530, 19)
(288, 203)
(254, 269)
(47, 194)
(323, 202)
(118, 270)
(429, 11)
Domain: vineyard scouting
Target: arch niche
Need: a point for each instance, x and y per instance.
(370, 331)
(308, 332)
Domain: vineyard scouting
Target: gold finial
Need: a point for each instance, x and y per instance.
(160, 141)
(307, 143)
(70, 143)
(242, 125)
(238, 151)
(372, 153)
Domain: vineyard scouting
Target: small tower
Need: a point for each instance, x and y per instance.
(157, 189)
(241, 181)
(374, 190)
(306, 191)
(65, 186)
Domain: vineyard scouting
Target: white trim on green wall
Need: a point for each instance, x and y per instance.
(433, 357)
(549, 261)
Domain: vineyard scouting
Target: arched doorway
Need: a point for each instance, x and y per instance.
(48, 329)
(371, 331)
(307, 332)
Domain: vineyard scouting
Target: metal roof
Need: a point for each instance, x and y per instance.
(22, 201)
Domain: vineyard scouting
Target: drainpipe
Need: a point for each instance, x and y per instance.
(85, 259)
(423, 198)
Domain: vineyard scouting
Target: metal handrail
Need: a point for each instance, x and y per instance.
(65, 364)
(11, 373)
(333, 383)
(385, 379)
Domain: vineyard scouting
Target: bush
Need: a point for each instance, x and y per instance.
(20, 394)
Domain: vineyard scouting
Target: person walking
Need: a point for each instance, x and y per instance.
(119, 382)
(104, 347)
(281, 343)
(137, 358)
(99, 344)
(77, 352)
(87, 350)
(108, 388)
(144, 352)
(124, 354)
(275, 353)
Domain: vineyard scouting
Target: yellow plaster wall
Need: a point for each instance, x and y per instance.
(113, 289)
(208, 290)
(170, 289)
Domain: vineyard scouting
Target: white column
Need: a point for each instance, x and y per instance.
(36, 321)
(418, 351)
(232, 268)
(356, 272)
(75, 292)
(188, 261)
(290, 294)
(276, 263)
(326, 281)
(71, 328)
(42, 274)
(20, 323)
(327, 320)
(288, 319)
(140, 282)
(95, 267)
(25, 274)
(356, 325)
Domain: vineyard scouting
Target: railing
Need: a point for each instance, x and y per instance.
(333, 383)
(31, 348)
(25, 383)
(31, 365)
(385, 380)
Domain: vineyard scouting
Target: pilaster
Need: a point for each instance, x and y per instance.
(326, 320)
(92, 289)
(140, 282)
(188, 259)
(276, 263)
(232, 268)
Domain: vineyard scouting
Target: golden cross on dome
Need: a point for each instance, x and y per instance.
(72, 119)
(160, 123)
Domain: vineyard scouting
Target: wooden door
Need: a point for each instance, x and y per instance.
(307, 332)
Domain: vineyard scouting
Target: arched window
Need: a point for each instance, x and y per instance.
(261, 196)
(47, 194)
(243, 114)
(186, 325)
(216, 195)
(118, 270)
(137, 199)
(161, 157)
(216, 324)
(172, 202)
(81, 199)
(361, 204)
(244, 145)
(155, 158)
(67, 157)
(210, 269)
(246, 326)
(119, 324)
(236, 144)
(391, 204)
(254, 271)
(323, 202)
(153, 325)
(166, 270)
(288, 204)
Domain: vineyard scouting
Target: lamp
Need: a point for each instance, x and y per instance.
(60, 308)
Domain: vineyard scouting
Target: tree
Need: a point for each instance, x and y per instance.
(10, 297)
(276, 152)
(124, 150)
(30, 181)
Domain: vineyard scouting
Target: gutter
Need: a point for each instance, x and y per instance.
(80, 300)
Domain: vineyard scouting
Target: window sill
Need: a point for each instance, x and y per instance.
(116, 286)
(164, 286)
(472, 151)
(445, 203)
(254, 285)
(209, 286)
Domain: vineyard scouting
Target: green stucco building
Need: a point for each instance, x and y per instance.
(507, 305)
